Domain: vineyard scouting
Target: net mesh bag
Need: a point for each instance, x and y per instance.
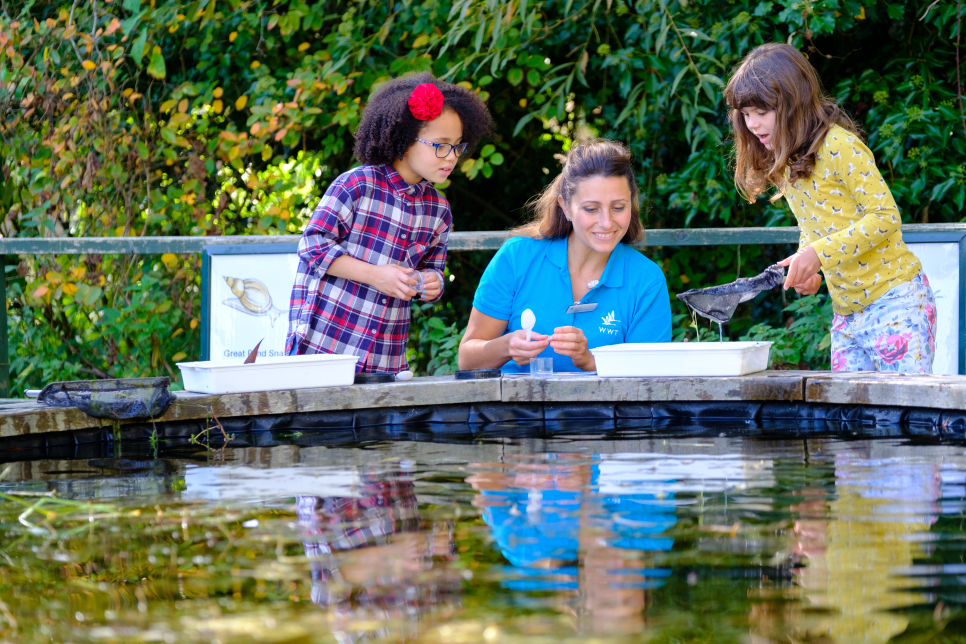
(718, 303)
(121, 399)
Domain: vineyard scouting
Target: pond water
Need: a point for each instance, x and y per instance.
(617, 538)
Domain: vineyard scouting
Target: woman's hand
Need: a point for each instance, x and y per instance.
(486, 345)
(522, 351)
(802, 267)
(431, 285)
(571, 342)
(393, 280)
(810, 286)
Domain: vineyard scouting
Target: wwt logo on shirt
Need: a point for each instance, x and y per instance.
(609, 320)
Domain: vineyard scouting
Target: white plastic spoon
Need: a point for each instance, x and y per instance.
(527, 321)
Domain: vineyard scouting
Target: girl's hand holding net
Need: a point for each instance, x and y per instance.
(802, 267)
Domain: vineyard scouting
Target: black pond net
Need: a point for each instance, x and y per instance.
(121, 399)
(718, 303)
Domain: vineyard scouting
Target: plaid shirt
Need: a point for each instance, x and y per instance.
(387, 506)
(333, 524)
(372, 214)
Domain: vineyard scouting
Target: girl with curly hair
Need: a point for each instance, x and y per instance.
(789, 135)
(378, 237)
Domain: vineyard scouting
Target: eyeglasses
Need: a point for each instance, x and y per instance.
(443, 149)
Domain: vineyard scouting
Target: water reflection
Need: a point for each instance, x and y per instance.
(667, 538)
(852, 543)
(595, 527)
(369, 559)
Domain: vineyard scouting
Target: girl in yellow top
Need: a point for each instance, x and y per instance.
(790, 135)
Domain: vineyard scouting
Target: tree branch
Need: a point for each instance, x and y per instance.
(687, 52)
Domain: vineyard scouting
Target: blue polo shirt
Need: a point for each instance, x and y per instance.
(530, 526)
(632, 298)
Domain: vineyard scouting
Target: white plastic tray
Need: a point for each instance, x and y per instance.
(681, 359)
(269, 374)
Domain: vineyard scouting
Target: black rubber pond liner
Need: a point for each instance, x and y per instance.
(477, 374)
(494, 421)
(372, 378)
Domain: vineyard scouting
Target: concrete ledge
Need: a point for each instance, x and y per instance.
(442, 390)
(492, 400)
(893, 389)
(768, 385)
(33, 418)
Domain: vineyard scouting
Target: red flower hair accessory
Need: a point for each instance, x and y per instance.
(426, 102)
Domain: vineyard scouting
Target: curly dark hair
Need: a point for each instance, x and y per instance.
(388, 128)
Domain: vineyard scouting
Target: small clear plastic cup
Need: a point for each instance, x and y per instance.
(541, 366)
(420, 281)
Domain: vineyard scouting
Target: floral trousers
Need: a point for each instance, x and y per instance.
(895, 333)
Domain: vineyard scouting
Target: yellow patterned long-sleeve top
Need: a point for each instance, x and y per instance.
(847, 214)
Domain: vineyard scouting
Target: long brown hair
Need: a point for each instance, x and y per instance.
(596, 158)
(776, 76)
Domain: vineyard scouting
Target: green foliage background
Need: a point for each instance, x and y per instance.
(224, 117)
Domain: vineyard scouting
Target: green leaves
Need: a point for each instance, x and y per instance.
(220, 147)
(677, 78)
(433, 340)
(484, 165)
(128, 25)
(156, 66)
(89, 295)
(805, 343)
(480, 32)
(137, 49)
(524, 120)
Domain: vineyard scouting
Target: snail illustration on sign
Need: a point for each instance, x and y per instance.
(251, 297)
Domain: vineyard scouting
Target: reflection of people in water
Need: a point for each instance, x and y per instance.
(371, 563)
(880, 508)
(560, 533)
(851, 544)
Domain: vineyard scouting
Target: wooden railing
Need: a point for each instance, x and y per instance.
(459, 241)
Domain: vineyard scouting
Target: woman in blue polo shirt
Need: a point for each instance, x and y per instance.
(574, 267)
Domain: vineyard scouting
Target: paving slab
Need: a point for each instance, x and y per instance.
(891, 389)
(33, 418)
(438, 390)
(767, 385)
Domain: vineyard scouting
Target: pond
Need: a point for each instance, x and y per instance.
(618, 537)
